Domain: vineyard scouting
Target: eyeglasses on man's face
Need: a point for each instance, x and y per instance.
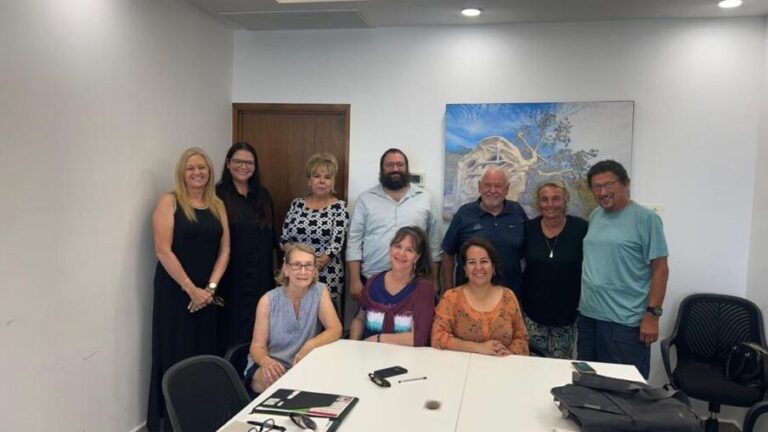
(608, 186)
(296, 266)
(393, 165)
(237, 163)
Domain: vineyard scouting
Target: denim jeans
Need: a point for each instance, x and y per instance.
(610, 342)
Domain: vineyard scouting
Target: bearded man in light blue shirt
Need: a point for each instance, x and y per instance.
(624, 274)
(379, 212)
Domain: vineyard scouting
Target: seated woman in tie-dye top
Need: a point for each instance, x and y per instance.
(397, 306)
(480, 316)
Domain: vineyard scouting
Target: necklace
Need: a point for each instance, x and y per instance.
(554, 245)
(559, 230)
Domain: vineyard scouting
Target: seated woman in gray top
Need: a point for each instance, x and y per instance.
(291, 320)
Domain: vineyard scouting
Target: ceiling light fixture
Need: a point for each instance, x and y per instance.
(471, 12)
(727, 4)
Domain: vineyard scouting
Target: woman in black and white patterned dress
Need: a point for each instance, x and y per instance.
(321, 220)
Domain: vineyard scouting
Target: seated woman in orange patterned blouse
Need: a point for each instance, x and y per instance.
(480, 316)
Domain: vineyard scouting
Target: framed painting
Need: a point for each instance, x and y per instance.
(534, 143)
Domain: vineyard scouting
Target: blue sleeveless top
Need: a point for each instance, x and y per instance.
(287, 332)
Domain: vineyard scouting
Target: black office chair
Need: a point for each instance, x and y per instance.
(237, 355)
(202, 393)
(707, 327)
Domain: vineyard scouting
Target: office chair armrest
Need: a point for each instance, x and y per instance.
(231, 351)
(750, 419)
(665, 346)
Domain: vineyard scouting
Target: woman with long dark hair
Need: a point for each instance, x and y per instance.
(253, 243)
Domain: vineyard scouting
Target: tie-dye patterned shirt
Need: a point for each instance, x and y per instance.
(456, 319)
(409, 310)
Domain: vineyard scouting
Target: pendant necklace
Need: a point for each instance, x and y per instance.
(554, 245)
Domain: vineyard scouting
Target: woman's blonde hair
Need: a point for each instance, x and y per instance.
(289, 249)
(324, 161)
(212, 202)
(558, 184)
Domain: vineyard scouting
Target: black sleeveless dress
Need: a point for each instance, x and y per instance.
(250, 273)
(178, 334)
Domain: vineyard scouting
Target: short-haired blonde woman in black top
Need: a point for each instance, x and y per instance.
(552, 276)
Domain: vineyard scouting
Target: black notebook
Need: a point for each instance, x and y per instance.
(331, 406)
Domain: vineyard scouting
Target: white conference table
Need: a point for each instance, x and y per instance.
(476, 392)
(515, 390)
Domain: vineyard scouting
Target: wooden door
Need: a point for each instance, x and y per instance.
(285, 136)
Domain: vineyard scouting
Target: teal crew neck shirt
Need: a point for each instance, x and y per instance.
(616, 272)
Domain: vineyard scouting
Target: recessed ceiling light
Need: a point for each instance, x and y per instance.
(727, 4)
(471, 12)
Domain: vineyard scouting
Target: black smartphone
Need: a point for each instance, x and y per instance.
(390, 371)
(583, 367)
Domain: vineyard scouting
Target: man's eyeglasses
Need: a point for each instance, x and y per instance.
(296, 266)
(303, 421)
(237, 163)
(390, 165)
(265, 426)
(609, 186)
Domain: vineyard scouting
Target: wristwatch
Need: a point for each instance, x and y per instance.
(654, 310)
(212, 286)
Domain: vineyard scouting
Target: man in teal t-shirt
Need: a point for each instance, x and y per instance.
(624, 274)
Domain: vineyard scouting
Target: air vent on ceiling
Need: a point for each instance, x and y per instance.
(297, 20)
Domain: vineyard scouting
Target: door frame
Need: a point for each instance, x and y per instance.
(287, 108)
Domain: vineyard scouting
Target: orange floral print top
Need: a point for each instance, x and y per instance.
(455, 318)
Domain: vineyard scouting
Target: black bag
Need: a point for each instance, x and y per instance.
(602, 404)
(747, 365)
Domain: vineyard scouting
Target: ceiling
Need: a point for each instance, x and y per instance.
(271, 15)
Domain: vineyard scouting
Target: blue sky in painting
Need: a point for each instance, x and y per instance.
(467, 124)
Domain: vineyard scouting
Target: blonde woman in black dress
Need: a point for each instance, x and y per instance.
(192, 247)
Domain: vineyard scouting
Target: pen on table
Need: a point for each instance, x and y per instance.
(411, 379)
(275, 427)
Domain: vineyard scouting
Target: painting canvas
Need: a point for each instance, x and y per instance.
(534, 143)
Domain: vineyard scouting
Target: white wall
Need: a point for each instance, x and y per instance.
(696, 83)
(757, 290)
(98, 100)
(757, 280)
